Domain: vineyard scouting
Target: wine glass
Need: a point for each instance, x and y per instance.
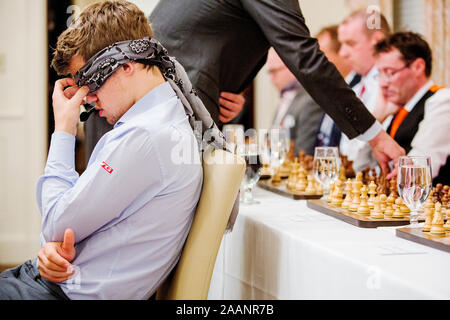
(275, 145)
(234, 135)
(326, 167)
(251, 153)
(414, 183)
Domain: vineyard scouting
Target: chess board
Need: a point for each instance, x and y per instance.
(354, 218)
(440, 242)
(282, 190)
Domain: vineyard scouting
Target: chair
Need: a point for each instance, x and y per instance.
(190, 279)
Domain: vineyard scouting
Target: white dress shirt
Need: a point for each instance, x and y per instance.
(132, 208)
(432, 138)
(358, 149)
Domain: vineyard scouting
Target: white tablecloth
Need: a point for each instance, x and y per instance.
(281, 249)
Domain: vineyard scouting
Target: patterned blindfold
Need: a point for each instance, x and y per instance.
(102, 65)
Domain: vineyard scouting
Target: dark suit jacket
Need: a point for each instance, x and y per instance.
(306, 117)
(223, 44)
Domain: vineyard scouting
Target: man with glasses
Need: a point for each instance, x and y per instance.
(419, 109)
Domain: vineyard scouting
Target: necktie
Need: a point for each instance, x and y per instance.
(399, 117)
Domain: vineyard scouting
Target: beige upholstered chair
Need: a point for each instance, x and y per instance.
(190, 280)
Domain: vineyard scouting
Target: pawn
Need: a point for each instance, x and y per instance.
(429, 211)
(301, 180)
(348, 197)
(311, 188)
(357, 184)
(376, 212)
(331, 193)
(372, 193)
(398, 213)
(337, 197)
(382, 202)
(319, 188)
(437, 226)
(389, 207)
(364, 206)
(404, 208)
(276, 180)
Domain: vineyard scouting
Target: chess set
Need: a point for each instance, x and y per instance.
(294, 179)
(370, 201)
(435, 231)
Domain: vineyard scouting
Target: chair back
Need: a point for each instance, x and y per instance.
(190, 279)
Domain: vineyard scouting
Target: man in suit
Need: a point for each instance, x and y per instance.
(422, 114)
(223, 44)
(297, 111)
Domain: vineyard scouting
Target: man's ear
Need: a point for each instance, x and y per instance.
(418, 66)
(129, 68)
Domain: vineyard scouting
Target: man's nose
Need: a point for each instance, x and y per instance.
(91, 98)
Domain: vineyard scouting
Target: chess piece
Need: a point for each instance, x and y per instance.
(382, 202)
(330, 194)
(319, 188)
(292, 180)
(437, 226)
(337, 197)
(429, 211)
(301, 179)
(388, 212)
(310, 188)
(276, 179)
(348, 194)
(404, 208)
(398, 213)
(266, 172)
(342, 175)
(393, 188)
(357, 184)
(363, 207)
(376, 212)
(359, 176)
(372, 193)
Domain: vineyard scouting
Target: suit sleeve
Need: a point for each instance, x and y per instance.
(283, 24)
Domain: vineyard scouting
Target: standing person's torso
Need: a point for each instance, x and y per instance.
(218, 43)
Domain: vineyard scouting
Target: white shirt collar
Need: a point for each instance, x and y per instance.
(419, 94)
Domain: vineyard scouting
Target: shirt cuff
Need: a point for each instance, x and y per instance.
(371, 132)
(62, 149)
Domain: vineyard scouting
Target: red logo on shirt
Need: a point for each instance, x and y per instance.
(107, 167)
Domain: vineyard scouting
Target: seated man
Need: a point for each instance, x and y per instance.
(131, 210)
(297, 111)
(422, 113)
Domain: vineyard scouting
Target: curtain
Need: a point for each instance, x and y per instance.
(437, 33)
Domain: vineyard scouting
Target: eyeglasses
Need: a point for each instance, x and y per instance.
(389, 74)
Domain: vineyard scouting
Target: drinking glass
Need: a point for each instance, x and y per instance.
(414, 183)
(234, 135)
(251, 153)
(326, 167)
(275, 146)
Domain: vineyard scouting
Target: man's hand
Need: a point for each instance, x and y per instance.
(55, 257)
(386, 149)
(230, 106)
(66, 105)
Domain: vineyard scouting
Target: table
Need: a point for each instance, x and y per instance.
(281, 249)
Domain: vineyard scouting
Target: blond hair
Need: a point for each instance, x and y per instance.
(98, 26)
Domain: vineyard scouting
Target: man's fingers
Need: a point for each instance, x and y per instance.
(49, 274)
(53, 256)
(233, 97)
(224, 119)
(80, 95)
(226, 113)
(69, 240)
(70, 92)
(51, 265)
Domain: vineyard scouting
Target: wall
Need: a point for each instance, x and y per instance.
(318, 14)
(23, 119)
